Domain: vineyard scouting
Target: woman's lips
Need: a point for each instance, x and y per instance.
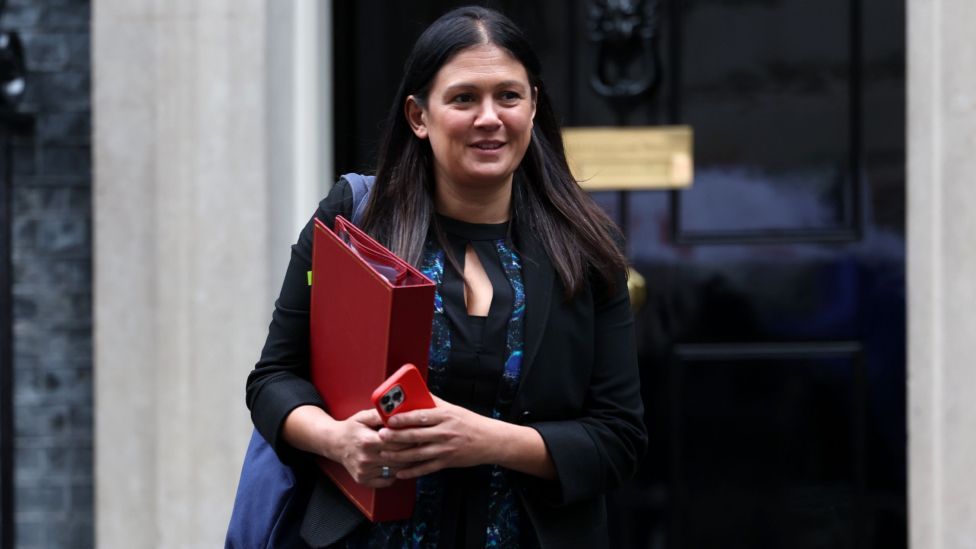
(488, 145)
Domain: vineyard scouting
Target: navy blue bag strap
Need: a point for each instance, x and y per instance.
(361, 185)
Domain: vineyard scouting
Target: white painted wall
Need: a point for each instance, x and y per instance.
(942, 273)
(299, 90)
(206, 156)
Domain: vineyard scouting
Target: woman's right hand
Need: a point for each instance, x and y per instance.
(356, 444)
(353, 442)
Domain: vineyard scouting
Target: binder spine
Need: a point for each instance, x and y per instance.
(412, 314)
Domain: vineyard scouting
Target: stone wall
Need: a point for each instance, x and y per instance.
(52, 278)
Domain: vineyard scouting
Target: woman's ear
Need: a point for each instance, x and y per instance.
(535, 96)
(416, 117)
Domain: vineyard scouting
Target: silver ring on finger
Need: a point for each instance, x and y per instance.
(386, 472)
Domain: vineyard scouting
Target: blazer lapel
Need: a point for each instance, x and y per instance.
(538, 275)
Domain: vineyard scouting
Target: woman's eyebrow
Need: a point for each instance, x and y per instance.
(470, 85)
(460, 86)
(511, 84)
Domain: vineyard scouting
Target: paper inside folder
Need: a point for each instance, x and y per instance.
(389, 272)
(378, 260)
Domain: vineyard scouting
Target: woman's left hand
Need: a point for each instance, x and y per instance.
(441, 437)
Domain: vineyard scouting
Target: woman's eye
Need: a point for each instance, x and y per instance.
(511, 96)
(463, 98)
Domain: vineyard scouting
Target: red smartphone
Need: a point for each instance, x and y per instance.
(404, 391)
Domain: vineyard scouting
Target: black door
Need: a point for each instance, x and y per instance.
(772, 341)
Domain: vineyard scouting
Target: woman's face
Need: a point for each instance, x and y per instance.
(478, 118)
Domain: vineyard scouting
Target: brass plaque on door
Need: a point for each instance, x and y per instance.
(630, 158)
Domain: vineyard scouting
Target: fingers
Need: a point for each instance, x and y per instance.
(412, 455)
(396, 446)
(407, 437)
(416, 418)
(419, 470)
(366, 441)
(369, 417)
(362, 455)
(374, 477)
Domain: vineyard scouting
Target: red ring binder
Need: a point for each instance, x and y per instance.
(363, 328)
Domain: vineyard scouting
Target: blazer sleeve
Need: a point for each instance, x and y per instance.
(280, 381)
(601, 448)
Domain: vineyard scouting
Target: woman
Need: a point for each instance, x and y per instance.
(533, 348)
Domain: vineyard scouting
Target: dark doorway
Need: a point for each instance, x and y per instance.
(772, 342)
(10, 124)
(6, 351)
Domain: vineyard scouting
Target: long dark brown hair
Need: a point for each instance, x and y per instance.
(577, 235)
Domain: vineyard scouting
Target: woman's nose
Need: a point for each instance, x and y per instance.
(488, 115)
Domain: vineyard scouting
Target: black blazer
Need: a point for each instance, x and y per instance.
(580, 389)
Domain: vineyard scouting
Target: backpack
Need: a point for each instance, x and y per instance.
(270, 503)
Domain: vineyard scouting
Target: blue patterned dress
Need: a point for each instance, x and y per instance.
(475, 362)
